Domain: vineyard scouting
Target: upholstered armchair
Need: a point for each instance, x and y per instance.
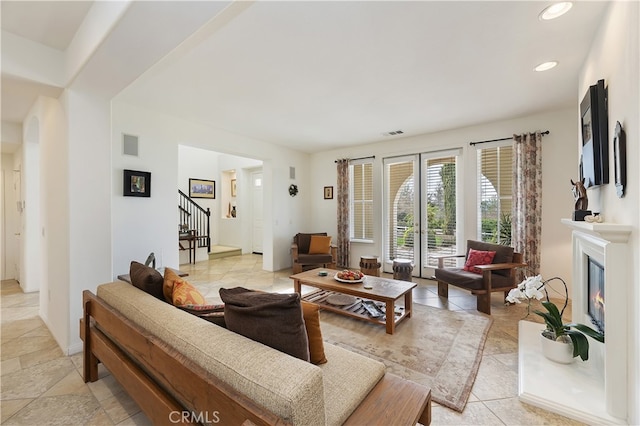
(488, 268)
(313, 250)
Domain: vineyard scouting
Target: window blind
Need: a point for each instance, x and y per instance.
(495, 184)
(361, 196)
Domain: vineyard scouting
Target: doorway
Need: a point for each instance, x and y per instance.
(11, 217)
(420, 206)
(256, 210)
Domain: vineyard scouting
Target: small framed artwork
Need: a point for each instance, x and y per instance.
(233, 187)
(136, 184)
(202, 188)
(328, 192)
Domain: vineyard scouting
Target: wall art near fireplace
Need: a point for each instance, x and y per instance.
(620, 159)
(136, 184)
(595, 134)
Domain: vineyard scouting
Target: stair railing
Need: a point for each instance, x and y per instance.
(194, 217)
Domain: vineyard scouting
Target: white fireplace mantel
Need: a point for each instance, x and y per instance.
(613, 232)
(604, 376)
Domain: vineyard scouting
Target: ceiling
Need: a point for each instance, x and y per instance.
(52, 23)
(319, 75)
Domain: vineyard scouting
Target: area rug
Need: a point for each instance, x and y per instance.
(439, 349)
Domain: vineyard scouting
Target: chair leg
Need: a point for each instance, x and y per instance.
(443, 289)
(483, 303)
(297, 268)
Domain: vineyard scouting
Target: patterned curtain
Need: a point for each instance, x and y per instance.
(343, 213)
(527, 199)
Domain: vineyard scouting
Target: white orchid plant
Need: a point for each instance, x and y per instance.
(535, 288)
(529, 289)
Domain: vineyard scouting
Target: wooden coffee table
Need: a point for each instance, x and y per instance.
(384, 290)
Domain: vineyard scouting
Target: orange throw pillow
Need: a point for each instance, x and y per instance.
(320, 244)
(170, 278)
(186, 294)
(311, 315)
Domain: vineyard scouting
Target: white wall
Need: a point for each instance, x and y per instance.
(142, 225)
(89, 205)
(46, 133)
(560, 164)
(11, 134)
(615, 57)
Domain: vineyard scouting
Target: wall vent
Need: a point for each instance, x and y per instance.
(129, 145)
(393, 133)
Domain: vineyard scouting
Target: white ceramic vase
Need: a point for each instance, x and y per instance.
(557, 351)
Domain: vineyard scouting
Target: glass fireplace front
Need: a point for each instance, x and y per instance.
(595, 283)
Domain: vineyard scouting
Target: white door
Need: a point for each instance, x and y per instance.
(420, 209)
(256, 200)
(401, 210)
(18, 225)
(12, 224)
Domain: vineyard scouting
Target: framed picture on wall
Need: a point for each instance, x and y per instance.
(202, 188)
(328, 192)
(136, 184)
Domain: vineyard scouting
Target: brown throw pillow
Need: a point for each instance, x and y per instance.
(272, 319)
(146, 279)
(311, 315)
(320, 245)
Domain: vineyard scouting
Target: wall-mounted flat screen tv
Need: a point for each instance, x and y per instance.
(594, 167)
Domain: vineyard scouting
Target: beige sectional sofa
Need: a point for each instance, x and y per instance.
(176, 361)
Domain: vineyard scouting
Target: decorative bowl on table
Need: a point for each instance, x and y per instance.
(349, 277)
(342, 299)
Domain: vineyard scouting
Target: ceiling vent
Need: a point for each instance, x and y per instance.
(394, 133)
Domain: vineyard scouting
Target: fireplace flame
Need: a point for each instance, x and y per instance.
(598, 301)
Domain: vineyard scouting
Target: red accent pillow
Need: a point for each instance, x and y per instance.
(478, 257)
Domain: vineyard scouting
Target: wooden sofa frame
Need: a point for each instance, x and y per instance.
(147, 368)
(483, 295)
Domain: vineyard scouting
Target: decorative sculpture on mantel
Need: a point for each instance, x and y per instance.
(582, 202)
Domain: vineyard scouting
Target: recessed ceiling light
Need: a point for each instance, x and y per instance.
(545, 66)
(555, 10)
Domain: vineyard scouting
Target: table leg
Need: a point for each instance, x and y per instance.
(297, 287)
(408, 303)
(391, 319)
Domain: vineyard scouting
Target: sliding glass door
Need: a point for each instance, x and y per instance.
(420, 209)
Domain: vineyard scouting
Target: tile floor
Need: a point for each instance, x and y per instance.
(39, 385)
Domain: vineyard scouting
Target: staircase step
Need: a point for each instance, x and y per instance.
(219, 252)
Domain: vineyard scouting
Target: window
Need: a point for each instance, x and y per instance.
(361, 197)
(495, 182)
